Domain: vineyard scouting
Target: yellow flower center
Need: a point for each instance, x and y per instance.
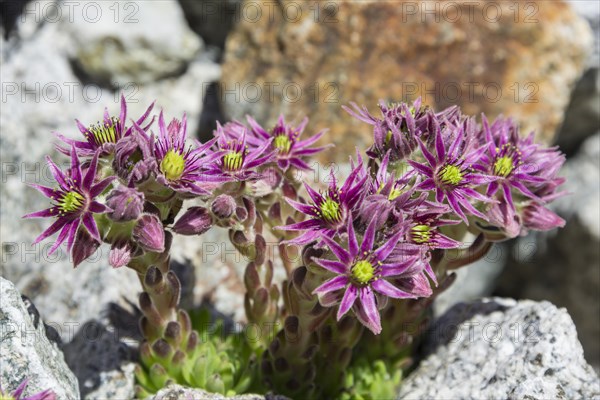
(233, 160)
(450, 175)
(388, 137)
(503, 166)
(283, 143)
(420, 234)
(105, 132)
(394, 193)
(330, 210)
(72, 201)
(363, 272)
(172, 165)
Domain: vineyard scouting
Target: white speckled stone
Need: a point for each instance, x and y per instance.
(503, 349)
(26, 352)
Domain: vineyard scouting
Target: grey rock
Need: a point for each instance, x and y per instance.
(46, 96)
(135, 41)
(503, 349)
(26, 352)
(176, 392)
(115, 385)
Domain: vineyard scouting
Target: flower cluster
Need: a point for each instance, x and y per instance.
(373, 244)
(427, 171)
(125, 177)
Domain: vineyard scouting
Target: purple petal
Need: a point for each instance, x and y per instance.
(396, 269)
(315, 197)
(300, 226)
(492, 189)
(46, 191)
(469, 207)
(338, 250)
(347, 301)
(444, 242)
(306, 237)
(145, 115)
(100, 186)
(384, 287)
(52, 229)
(352, 242)
(58, 175)
(366, 311)
(428, 156)
(337, 283)
(71, 236)
(331, 265)
(456, 207)
(425, 170)
(298, 163)
(440, 149)
(385, 250)
(62, 236)
(524, 190)
(508, 195)
(455, 146)
(123, 112)
(98, 208)
(75, 167)
(427, 184)
(303, 208)
(49, 212)
(310, 140)
(369, 237)
(19, 391)
(90, 174)
(90, 225)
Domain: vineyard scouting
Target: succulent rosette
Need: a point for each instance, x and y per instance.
(361, 272)
(75, 201)
(103, 135)
(285, 138)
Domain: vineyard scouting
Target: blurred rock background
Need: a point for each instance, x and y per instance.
(537, 61)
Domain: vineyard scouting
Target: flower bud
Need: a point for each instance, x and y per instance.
(195, 221)
(536, 216)
(120, 254)
(133, 158)
(85, 245)
(505, 223)
(223, 206)
(126, 204)
(149, 233)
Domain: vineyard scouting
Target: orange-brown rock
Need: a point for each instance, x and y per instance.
(518, 58)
